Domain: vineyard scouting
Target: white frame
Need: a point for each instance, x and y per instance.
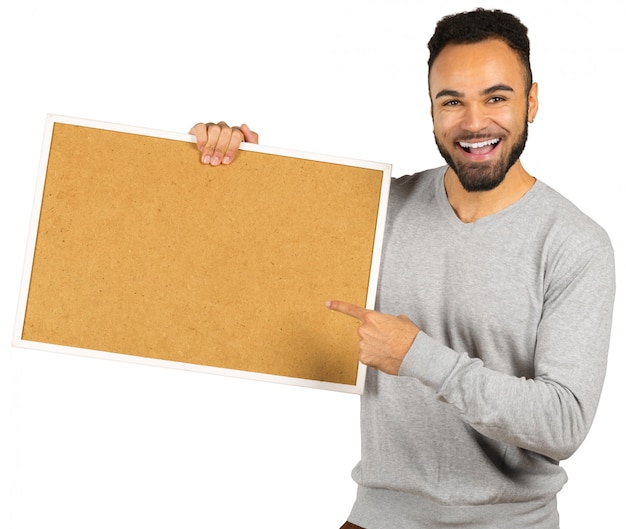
(18, 341)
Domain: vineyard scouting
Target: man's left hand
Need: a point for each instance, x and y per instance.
(384, 339)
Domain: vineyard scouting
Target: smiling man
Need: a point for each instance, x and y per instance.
(487, 351)
(481, 112)
(482, 98)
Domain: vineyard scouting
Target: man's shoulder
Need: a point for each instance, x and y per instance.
(425, 177)
(421, 185)
(565, 220)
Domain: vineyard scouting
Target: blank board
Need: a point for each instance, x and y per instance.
(138, 252)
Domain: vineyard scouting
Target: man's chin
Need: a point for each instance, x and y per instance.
(476, 177)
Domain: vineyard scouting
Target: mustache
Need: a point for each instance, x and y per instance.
(479, 136)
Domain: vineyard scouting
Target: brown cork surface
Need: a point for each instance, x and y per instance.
(142, 250)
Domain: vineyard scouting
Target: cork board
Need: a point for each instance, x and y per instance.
(140, 253)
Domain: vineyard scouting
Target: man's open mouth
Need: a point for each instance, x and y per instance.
(479, 147)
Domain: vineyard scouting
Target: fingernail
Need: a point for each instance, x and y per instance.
(226, 160)
(206, 159)
(215, 161)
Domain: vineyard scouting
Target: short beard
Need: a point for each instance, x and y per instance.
(480, 177)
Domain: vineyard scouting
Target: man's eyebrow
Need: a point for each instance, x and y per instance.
(448, 93)
(495, 88)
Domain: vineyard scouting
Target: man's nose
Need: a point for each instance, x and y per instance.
(475, 117)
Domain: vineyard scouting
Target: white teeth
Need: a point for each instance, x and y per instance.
(478, 145)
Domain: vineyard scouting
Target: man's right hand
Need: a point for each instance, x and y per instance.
(218, 143)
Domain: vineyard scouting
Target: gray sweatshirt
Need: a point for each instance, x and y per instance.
(504, 378)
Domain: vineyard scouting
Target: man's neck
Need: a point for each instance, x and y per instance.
(471, 206)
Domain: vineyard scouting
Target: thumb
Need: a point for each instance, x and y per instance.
(249, 136)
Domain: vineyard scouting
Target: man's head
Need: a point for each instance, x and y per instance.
(482, 94)
(479, 25)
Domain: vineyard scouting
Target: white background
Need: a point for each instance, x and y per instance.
(100, 444)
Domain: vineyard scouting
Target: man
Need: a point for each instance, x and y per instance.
(492, 372)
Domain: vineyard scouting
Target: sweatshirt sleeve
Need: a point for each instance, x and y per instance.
(551, 413)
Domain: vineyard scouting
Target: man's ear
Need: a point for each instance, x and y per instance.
(533, 102)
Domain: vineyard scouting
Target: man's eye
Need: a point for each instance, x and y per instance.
(496, 99)
(452, 103)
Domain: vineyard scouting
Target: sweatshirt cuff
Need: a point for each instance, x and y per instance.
(429, 362)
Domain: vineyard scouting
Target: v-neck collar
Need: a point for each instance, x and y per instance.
(450, 215)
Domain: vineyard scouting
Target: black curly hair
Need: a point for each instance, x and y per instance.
(479, 25)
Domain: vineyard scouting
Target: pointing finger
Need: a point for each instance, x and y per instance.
(348, 309)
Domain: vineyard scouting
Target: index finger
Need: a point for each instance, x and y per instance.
(199, 130)
(348, 309)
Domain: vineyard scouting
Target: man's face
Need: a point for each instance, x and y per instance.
(480, 109)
